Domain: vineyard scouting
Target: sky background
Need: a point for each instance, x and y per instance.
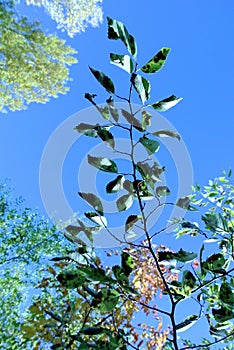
(199, 69)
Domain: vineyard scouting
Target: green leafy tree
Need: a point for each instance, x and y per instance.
(33, 65)
(73, 16)
(27, 241)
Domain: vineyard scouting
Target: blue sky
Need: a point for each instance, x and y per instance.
(199, 69)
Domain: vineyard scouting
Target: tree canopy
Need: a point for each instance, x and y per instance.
(72, 16)
(33, 65)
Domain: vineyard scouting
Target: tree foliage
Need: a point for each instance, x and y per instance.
(27, 241)
(33, 65)
(73, 16)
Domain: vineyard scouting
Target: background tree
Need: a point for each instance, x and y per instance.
(33, 66)
(27, 241)
(73, 16)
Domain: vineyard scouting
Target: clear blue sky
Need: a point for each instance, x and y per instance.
(199, 69)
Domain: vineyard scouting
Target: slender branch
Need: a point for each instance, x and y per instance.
(205, 345)
(150, 307)
(121, 98)
(212, 280)
(150, 248)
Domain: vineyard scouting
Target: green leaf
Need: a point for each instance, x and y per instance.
(150, 145)
(124, 202)
(181, 255)
(92, 330)
(162, 191)
(151, 174)
(215, 223)
(97, 219)
(183, 202)
(104, 111)
(188, 281)
(113, 111)
(115, 185)
(71, 278)
(127, 263)
(91, 130)
(104, 164)
(167, 133)
(117, 30)
(157, 62)
(143, 191)
(96, 275)
(132, 120)
(104, 80)
(106, 300)
(226, 294)
(93, 200)
(215, 262)
(119, 274)
(122, 61)
(167, 103)
(131, 221)
(142, 87)
(86, 129)
(146, 119)
(106, 136)
(187, 323)
(222, 314)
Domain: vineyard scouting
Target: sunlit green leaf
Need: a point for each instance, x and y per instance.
(97, 219)
(146, 119)
(226, 294)
(183, 202)
(127, 263)
(106, 136)
(132, 120)
(106, 300)
(131, 221)
(104, 80)
(157, 62)
(141, 187)
(167, 133)
(181, 255)
(113, 110)
(103, 164)
(162, 191)
(71, 278)
(115, 185)
(93, 200)
(167, 103)
(104, 111)
(124, 202)
(151, 174)
(117, 30)
(187, 323)
(215, 222)
(122, 61)
(142, 86)
(150, 145)
(215, 262)
(188, 281)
